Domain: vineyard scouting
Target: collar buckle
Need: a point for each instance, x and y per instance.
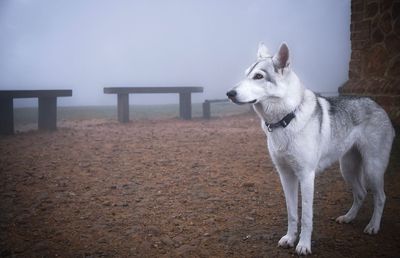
(282, 123)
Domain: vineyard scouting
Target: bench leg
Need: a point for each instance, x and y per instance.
(123, 108)
(47, 113)
(206, 110)
(185, 105)
(6, 116)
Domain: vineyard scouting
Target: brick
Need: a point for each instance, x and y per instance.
(354, 69)
(392, 85)
(388, 101)
(392, 42)
(357, 7)
(396, 10)
(361, 35)
(385, 5)
(356, 2)
(361, 25)
(354, 75)
(396, 27)
(371, 10)
(356, 55)
(377, 36)
(394, 68)
(374, 23)
(359, 44)
(385, 22)
(357, 17)
(354, 64)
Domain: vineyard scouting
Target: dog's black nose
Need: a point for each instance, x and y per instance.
(231, 94)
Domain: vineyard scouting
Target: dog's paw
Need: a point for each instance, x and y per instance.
(287, 241)
(343, 219)
(303, 248)
(371, 229)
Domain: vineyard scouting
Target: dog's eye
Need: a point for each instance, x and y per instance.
(258, 76)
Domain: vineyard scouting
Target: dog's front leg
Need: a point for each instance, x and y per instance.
(290, 186)
(307, 197)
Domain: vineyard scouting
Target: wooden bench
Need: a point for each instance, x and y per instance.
(207, 106)
(47, 117)
(185, 98)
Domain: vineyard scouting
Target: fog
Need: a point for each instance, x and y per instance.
(85, 45)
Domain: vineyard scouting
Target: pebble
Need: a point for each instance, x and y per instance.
(167, 240)
(249, 218)
(153, 230)
(107, 203)
(248, 184)
(185, 249)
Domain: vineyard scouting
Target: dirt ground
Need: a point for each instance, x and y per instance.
(168, 188)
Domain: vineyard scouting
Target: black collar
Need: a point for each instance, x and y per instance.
(283, 123)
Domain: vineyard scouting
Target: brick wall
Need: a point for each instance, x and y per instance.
(374, 68)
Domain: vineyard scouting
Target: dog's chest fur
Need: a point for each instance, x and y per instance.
(313, 139)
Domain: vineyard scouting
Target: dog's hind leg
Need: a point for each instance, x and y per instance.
(351, 168)
(375, 154)
(374, 173)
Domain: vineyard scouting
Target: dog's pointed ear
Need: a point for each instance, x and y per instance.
(262, 51)
(281, 59)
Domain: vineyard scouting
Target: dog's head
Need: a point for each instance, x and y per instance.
(266, 79)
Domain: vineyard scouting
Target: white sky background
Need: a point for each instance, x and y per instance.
(86, 45)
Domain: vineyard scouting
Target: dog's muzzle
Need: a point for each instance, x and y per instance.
(232, 96)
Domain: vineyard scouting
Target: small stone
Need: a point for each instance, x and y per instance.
(167, 240)
(153, 230)
(246, 237)
(185, 249)
(249, 218)
(178, 240)
(107, 203)
(248, 184)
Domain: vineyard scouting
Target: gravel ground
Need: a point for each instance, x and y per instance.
(168, 188)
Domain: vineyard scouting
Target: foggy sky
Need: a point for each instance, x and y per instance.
(86, 45)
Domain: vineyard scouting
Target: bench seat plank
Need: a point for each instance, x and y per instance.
(14, 94)
(127, 90)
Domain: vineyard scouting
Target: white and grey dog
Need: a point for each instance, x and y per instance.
(307, 132)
